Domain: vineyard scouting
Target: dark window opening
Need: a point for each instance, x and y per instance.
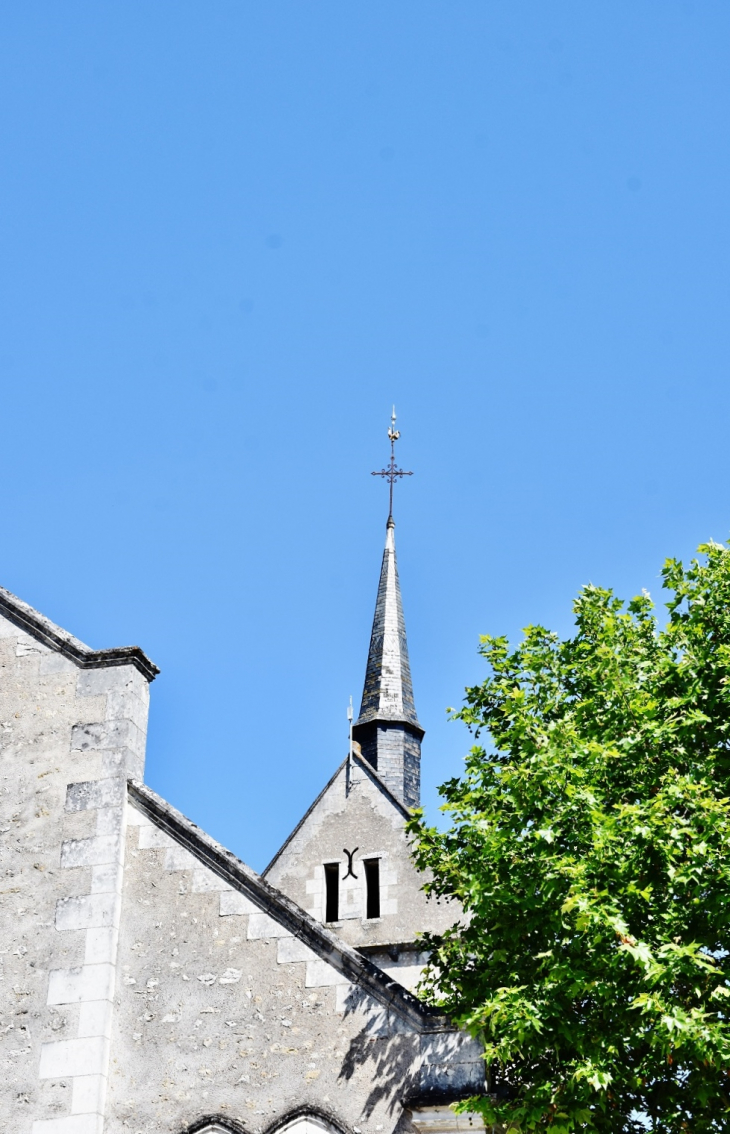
(372, 887)
(332, 891)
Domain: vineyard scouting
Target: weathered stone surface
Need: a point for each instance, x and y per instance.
(61, 817)
(94, 794)
(249, 1024)
(357, 812)
(148, 979)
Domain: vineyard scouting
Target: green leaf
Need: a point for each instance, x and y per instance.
(589, 848)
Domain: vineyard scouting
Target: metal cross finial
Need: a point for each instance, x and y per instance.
(392, 472)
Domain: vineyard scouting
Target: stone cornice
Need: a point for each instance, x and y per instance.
(376, 716)
(45, 631)
(441, 1119)
(330, 948)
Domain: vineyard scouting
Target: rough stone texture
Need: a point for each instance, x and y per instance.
(356, 812)
(149, 981)
(60, 725)
(230, 1014)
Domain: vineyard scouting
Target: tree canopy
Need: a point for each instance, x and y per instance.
(589, 847)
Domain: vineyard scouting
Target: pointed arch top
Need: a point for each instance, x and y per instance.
(304, 1120)
(307, 1123)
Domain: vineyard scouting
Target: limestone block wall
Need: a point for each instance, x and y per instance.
(223, 1012)
(69, 737)
(404, 965)
(223, 1016)
(140, 991)
(354, 814)
(353, 895)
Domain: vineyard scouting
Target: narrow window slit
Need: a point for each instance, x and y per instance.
(332, 891)
(372, 887)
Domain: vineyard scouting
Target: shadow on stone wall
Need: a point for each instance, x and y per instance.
(392, 1063)
(404, 1065)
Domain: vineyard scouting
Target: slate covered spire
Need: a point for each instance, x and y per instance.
(387, 728)
(388, 691)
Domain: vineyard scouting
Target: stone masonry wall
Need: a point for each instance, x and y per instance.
(60, 877)
(221, 1012)
(356, 815)
(139, 992)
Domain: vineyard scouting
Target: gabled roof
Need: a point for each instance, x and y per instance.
(351, 964)
(45, 631)
(375, 777)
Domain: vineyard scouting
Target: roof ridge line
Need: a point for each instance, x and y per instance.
(304, 818)
(374, 775)
(38, 626)
(327, 945)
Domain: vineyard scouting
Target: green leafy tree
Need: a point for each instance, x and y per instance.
(589, 846)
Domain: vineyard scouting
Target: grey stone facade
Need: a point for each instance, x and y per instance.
(150, 982)
(357, 813)
(69, 716)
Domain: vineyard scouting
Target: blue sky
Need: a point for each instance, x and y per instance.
(232, 234)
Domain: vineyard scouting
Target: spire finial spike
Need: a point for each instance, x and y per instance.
(392, 472)
(387, 728)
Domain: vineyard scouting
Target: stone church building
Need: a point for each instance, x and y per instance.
(150, 981)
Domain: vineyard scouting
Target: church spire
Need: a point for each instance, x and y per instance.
(387, 728)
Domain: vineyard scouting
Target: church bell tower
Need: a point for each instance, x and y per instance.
(387, 729)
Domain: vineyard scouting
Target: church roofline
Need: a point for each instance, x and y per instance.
(45, 631)
(325, 944)
(374, 776)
